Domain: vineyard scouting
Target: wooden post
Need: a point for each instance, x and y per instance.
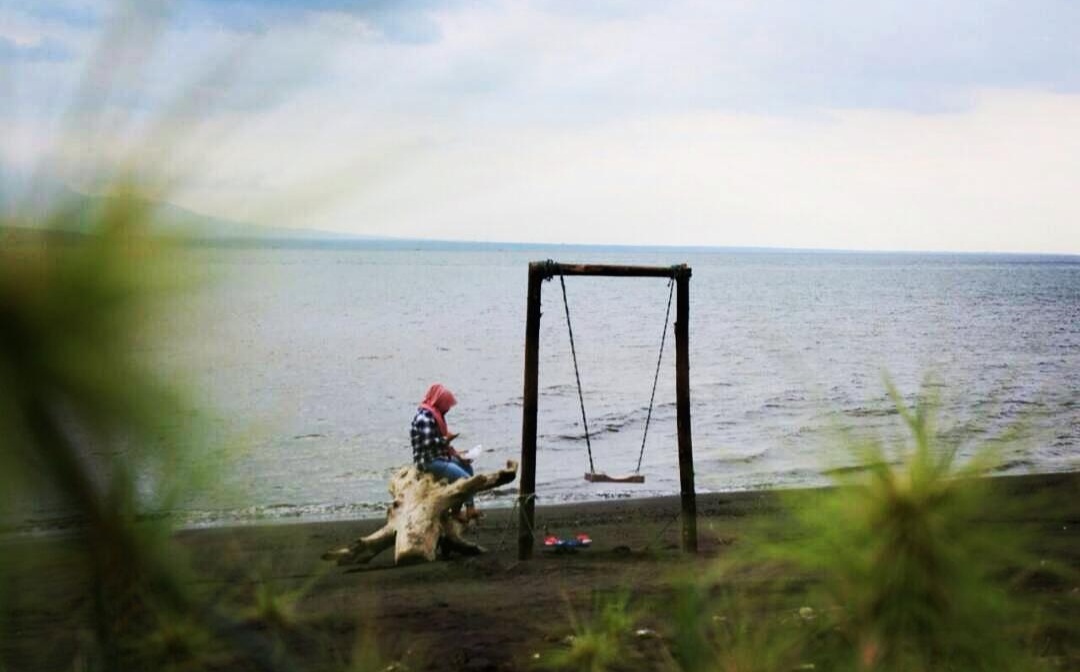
(682, 410)
(526, 501)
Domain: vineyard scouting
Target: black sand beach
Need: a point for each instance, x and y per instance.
(489, 612)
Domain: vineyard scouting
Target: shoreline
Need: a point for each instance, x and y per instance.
(68, 525)
(648, 510)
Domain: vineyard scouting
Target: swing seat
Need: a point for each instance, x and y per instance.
(594, 477)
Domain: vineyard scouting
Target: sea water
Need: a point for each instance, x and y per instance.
(310, 363)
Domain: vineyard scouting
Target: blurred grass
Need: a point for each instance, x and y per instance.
(894, 566)
(599, 642)
(95, 429)
(92, 428)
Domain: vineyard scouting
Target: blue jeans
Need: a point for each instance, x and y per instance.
(450, 470)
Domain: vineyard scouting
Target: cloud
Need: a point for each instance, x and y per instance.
(70, 13)
(612, 122)
(405, 21)
(568, 62)
(48, 50)
(785, 56)
(999, 176)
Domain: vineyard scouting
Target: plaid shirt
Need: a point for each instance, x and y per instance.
(428, 443)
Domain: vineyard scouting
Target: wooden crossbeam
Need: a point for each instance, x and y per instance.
(550, 269)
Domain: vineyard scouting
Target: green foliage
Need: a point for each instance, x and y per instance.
(893, 570)
(734, 632)
(367, 657)
(600, 642)
(901, 553)
(90, 425)
(74, 315)
(93, 427)
(179, 643)
(275, 608)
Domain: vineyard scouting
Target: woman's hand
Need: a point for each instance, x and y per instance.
(454, 453)
(451, 436)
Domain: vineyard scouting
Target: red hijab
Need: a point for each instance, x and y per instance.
(438, 401)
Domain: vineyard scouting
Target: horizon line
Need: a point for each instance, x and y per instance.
(458, 242)
(322, 238)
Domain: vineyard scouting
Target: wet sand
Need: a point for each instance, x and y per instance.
(490, 612)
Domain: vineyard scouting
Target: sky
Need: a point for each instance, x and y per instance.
(892, 125)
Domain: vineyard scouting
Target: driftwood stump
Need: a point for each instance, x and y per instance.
(419, 518)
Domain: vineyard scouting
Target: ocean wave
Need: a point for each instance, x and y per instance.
(1014, 465)
(871, 411)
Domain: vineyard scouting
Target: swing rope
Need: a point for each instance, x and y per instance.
(577, 375)
(656, 376)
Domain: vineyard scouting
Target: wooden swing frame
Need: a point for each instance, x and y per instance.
(539, 271)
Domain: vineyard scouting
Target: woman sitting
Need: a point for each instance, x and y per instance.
(431, 441)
